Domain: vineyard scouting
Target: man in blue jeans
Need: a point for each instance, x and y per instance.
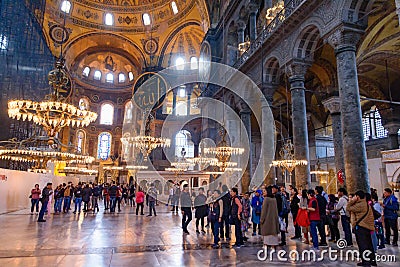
(390, 208)
(217, 211)
(78, 198)
(46, 193)
(112, 192)
(314, 215)
(344, 218)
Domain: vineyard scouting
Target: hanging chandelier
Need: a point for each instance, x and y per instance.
(78, 170)
(145, 142)
(223, 152)
(288, 161)
(53, 113)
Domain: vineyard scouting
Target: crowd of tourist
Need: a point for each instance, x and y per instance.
(263, 212)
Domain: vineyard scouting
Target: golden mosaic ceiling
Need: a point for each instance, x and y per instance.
(82, 31)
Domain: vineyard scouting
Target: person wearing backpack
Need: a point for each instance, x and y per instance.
(282, 210)
(341, 207)
(215, 216)
(322, 203)
(378, 222)
(363, 223)
(256, 205)
(151, 200)
(390, 213)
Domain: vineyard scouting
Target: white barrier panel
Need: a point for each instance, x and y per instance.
(15, 187)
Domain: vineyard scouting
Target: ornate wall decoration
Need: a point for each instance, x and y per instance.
(58, 33)
(88, 14)
(95, 98)
(150, 46)
(128, 20)
(120, 100)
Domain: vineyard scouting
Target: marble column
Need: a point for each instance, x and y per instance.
(344, 41)
(174, 92)
(333, 105)
(253, 8)
(268, 91)
(297, 71)
(398, 9)
(241, 26)
(245, 116)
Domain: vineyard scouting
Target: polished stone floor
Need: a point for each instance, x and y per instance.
(124, 239)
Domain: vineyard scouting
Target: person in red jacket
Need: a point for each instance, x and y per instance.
(35, 195)
(139, 201)
(314, 216)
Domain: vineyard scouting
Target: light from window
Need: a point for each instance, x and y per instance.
(80, 141)
(193, 63)
(83, 104)
(86, 72)
(181, 109)
(121, 78)
(107, 114)
(182, 92)
(183, 140)
(66, 6)
(131, 77)
(3, 42)
(109, 19)
(97, 75)
(146, 19)
(104, 146)
(128, 112)
(109, 78)
(180, 63)
(174, 7)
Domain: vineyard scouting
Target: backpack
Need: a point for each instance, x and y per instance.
(397, 206)
(285, 205)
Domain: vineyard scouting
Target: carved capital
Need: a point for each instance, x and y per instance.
(345, 37)
(253, 8)
(392, 127)
(332, 104)
(241, 25)
(298, 68)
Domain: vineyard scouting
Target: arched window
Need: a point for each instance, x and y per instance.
(65, 6)
(107, 114)
(128, 112)
(3, 42)
(97, 75)
(183, 141)
(193, 63)
(121, 78)
(104, 146)
(109, 19)
(372, 125)
(146, 19)
(181, 108)
(83, 104)
(174, 7)
(131, 77)
(80, 141)
(182, 92)
(109, 78)
(180, 63)
(86, 71)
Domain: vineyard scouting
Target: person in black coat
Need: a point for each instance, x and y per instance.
(86, 193)
(294, 208)
(201, 210)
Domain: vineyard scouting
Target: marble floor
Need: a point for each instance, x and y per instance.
(124, 239)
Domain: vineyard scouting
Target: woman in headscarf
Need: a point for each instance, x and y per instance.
(256, 205)
(269, 220)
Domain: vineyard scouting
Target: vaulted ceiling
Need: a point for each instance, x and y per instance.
(81, 34)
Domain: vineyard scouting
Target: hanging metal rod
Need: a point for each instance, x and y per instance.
(380, 100)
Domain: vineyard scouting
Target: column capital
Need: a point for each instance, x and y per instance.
(297, 68)
(268, 90)
(253, 8)
(345, 37)
(241, 25)
(332, 104)
(392, 127)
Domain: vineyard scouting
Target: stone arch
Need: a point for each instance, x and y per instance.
(271, 70)
(355, 11)
(307, 42)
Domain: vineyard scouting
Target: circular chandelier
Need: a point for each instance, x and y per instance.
(53, 113)
(288, 161)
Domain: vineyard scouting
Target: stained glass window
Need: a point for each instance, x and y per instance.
(104, 146)
(97, 75)
(121, 78)
(109, 19)
(86, 71)
(146, 19)
(66, 6)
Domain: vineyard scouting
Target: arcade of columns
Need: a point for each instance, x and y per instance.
(291, 52)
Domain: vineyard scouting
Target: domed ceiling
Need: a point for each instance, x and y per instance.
(131, 31)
